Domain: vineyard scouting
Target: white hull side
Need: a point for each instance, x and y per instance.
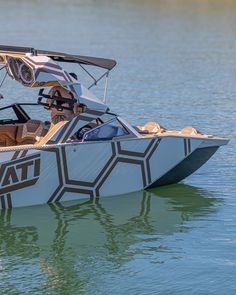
(85, 170)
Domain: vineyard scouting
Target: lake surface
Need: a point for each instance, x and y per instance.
(177, 66)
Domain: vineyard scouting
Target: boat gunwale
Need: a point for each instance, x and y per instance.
(47, 146)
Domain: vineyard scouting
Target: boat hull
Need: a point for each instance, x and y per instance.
(64, 172)
(186, 167)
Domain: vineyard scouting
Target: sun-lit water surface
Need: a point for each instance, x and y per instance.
(176, 65)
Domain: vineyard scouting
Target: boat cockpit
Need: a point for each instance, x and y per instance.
(18, 127)
(73, 113)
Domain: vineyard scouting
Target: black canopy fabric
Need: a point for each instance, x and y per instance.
(61, 57)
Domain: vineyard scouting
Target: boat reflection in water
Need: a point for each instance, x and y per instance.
(61, 245)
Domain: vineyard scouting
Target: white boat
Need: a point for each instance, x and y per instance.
(84, 150)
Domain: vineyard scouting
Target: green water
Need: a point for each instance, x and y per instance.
(177, 66)
(136, 243)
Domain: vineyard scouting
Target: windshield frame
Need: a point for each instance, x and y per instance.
(129, 131)
(19, 111)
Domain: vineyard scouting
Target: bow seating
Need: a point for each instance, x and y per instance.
(154, 129)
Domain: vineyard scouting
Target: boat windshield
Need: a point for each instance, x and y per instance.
(106, 131)
(22, 112)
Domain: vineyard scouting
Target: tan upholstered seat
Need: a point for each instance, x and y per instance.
(152, 127)
(28, 132)
(8, 135)
(41, 142)
(189, 130)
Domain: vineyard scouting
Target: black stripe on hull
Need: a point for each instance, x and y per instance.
(189, 165)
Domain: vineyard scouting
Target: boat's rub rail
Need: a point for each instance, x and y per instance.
(17, 147)
(151, 129)
(46, 146)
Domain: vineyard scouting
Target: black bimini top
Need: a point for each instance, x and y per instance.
(61, 57)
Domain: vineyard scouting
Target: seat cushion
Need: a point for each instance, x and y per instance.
(152, 127)
(28, 132)
(189, 130)
(8, 135)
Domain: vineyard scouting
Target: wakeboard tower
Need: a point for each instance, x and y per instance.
(85, 150)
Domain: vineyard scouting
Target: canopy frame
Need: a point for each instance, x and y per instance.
(105, 63)
(82, 61)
